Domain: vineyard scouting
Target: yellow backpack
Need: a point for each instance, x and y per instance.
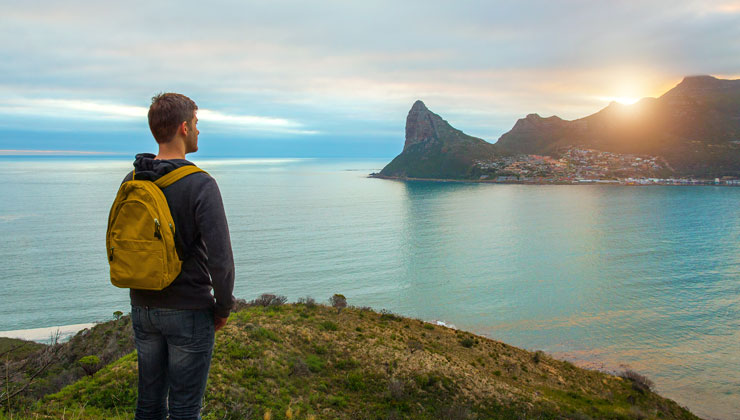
(141, 234)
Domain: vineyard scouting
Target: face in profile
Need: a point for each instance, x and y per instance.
(191, 141)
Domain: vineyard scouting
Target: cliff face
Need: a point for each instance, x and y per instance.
(435, 149)
(420, 125)
(695, 126)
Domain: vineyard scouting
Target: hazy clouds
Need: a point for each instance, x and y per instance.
(352, 69)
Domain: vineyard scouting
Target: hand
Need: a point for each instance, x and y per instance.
(219, 322)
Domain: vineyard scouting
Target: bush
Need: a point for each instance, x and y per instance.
(90, 364)
(328, 326)
(308, 301)
(356, 381)
(387, 315)
(640, 383)
(538, 356)
(467, 342)
(338, 301)
(315, 364)
(267, 299)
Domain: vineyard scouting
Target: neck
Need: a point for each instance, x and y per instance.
(171, 150)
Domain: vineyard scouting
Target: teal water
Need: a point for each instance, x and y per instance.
(647, 277)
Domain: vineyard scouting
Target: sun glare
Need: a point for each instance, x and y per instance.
(624, 100)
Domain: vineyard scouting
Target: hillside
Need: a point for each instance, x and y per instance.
(435, 149)
(308, 361)
(695, 127)
(692, 131)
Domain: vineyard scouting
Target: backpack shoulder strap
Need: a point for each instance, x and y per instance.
(176, 175)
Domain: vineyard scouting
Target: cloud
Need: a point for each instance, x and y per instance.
(335, 67)
(95, 110)
(20, 152)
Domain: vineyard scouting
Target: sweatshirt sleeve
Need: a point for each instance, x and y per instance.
(214, 230)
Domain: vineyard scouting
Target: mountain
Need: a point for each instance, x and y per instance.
(435, 149)
(693, 130)
(695, 127)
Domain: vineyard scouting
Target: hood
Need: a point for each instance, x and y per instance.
(148, 168)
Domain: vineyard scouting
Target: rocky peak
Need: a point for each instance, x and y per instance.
(421, 125)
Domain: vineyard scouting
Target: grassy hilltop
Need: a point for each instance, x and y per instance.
(309, 361)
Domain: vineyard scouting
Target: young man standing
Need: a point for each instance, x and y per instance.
(174, 327)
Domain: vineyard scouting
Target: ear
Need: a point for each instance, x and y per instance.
(183, 128)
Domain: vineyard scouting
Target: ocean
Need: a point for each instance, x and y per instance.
(606, 276)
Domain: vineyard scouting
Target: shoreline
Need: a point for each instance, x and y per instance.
(703, 183)
(45, 335)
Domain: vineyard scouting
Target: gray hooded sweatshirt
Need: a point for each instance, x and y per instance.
(202, 237)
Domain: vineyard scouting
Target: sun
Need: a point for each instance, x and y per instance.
(624, 100)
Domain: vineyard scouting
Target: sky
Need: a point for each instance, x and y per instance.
(337, 78)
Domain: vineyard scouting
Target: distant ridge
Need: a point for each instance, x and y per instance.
(694, 128)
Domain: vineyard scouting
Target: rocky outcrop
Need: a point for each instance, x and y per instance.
(435, 149)
(420, 125)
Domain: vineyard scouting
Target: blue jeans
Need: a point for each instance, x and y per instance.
(174, 348)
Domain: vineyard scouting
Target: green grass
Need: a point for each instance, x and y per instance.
(277, 362)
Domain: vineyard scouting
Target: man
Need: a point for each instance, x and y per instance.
(174, 327)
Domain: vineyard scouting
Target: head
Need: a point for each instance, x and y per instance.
(172, 116)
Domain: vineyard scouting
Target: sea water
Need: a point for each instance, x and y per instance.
(606, 276)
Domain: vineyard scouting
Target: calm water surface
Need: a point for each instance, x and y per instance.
(647, 277)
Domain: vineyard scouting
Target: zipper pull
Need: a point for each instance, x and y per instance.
(110, 257)
(156, 229)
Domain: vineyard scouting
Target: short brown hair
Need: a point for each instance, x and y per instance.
(167, 112)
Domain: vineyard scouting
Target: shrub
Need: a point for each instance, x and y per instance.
(388, 315)
(338, 301)
(345, 364)
(328, 326)
(262, 333)
(90, 364)
(315, 364)
(267, 299)
(308, 301)
(337, 400)
(467, 342)
(640, 383)
(238, 350)
(356, 381)
(538, 356)
(117, 315)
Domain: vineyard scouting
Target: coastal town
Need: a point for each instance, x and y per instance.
(583, 166)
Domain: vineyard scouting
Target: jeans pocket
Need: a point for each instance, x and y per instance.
(177, 326)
